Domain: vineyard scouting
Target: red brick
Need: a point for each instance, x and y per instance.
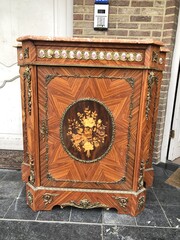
(152, 26)
(93, 33)
(140, 18)
(118, 18)
(82, 24)
(78, 16)
(167, 40)
(78, 2)
(152, 11)
(89, 2)
(170, 3)
(139, 33)
(169, 26)
(119, 3)
(128, 25)
(129, 11)
(117, 32)
(113, 10)
(77, 31)
(171, 10)
(158, 3)
(112, 25)
(157, 18)
(156, 34)
(169, 33)
(170, 18)
(142, 4)
(89, 17)
(81, 9)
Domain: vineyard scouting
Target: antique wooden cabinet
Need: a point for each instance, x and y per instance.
(89, 114)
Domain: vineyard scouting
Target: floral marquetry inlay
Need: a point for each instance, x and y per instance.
(87, 134)
(92, 55)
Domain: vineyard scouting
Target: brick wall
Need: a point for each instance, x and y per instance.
(127, 19)
(137, 19)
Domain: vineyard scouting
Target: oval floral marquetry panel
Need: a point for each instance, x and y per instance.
(87, 130)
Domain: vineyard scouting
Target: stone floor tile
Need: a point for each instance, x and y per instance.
(152, 216)
(168, 172)
(20, 210)
(5, 204)
(19, 230)
(2, 174)
(88, 216)
(139, 233)
(10, 188)
(160, 176)
(13, 176)
(159, 172)
(113, 217)
(170, 196)
(22, 193)
(56, 214)
(150, 197)
(173, 215)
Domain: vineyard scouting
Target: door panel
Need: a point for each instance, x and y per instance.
(88, 126)
(174, 149)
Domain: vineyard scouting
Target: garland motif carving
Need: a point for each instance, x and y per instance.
(27, 76)
(151, 80)
(85, 204)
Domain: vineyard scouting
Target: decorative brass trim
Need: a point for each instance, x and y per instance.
(85, 204)
(120, 181)
(25, 136)
(48, 198)
(122, 201)
(27, 76)
(89, 116)
(131, 82)
(48, 78)
(29, 198)
(32, 175)
(155, 56)
(43, 130)
(153, 126)
(141, 202)
(26, 53)
(141, 179)
(88, 190)
(151, 80)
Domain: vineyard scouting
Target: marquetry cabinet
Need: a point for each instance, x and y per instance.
(89, 111)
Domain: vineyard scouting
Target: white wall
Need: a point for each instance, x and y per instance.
(17, 18)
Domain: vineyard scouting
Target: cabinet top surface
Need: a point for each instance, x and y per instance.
(89, 40)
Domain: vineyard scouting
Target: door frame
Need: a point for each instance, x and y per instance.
(171, 95)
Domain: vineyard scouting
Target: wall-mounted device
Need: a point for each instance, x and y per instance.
(101, 11)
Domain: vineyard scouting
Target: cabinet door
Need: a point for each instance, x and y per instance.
(88, 121)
